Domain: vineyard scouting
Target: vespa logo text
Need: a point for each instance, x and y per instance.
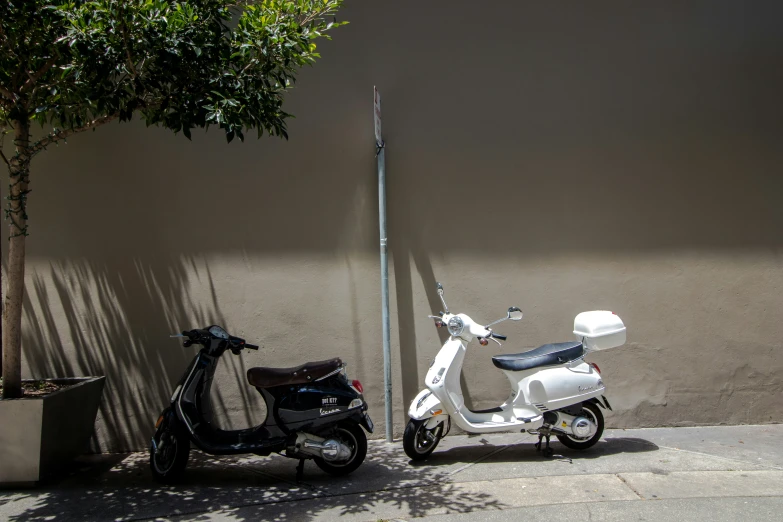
(329, 411)
(586, 388)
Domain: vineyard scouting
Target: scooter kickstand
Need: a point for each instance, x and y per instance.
(548, 452)
(300, 471)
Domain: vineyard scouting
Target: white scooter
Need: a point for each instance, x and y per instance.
(553, 390)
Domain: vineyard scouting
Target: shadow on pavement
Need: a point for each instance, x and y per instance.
(120, 487)
(526, 452)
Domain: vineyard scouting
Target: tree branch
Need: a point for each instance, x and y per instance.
(33, 78)
(127, 48)
(54, 137)
(3, 132)
(11, 52)
(6, 94)
(318, 13)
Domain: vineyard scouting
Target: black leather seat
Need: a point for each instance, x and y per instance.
(547, 355)
(308, 372)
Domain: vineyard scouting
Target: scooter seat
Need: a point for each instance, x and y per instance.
(547, 355)
(308, 372)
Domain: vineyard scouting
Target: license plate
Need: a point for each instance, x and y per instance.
(368, 420)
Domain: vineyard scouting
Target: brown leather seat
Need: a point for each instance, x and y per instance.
(308, 372)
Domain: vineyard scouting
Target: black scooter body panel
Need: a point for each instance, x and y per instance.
(312, 407)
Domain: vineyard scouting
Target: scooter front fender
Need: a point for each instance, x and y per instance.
(424, 405)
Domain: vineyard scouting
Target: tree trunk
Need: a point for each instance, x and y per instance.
(1, 310)
(19, 170)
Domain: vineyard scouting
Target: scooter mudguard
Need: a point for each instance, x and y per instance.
(424, 405)
(168, 415)
(367, 423)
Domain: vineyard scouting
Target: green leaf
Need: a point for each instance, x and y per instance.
(180, 65)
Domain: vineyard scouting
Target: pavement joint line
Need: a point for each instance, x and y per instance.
(319, 494)
(283, 479)
(586, 503)
(628, 484)
(425, 484)
(288, 493)
(432, 484)
(699, 426)
(778, 468)
(632, 441)
(480, 459)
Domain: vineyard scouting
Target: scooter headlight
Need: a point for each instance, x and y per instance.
(456, 326)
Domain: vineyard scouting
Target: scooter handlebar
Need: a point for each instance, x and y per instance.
(237, 344)
(498, 336)
(202, 336)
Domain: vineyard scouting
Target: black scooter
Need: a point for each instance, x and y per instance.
(313, 412)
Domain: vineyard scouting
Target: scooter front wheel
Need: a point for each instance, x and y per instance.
(353, 436)
(169, 453)
(418, 441)
(592, 412)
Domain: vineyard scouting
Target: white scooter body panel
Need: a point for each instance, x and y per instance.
(553, 387)
(544, 400)
(424, 405)
(444, 374)
(533, 391)
(443, 381)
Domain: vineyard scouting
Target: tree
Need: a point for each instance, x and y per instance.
(75, 65)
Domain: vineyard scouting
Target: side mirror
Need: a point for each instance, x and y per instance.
(515, 314)
(440, 294)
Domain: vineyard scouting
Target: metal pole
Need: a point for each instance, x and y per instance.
(387, 373)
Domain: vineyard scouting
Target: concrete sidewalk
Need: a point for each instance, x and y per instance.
(715, 473)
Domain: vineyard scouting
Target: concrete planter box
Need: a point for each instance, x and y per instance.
(39, 434)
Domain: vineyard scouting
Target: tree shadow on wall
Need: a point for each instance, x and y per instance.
(114, 319)
(410, 255)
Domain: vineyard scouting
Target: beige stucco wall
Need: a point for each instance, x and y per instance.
(558, 158)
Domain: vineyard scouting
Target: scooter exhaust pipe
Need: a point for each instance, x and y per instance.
(328, 449)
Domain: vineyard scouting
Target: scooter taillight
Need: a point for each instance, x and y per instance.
(596, 367)
(356, 384)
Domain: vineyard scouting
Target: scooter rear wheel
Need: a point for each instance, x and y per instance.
(592, 412)
(418, 441)
(169, 461)
(352, 435)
